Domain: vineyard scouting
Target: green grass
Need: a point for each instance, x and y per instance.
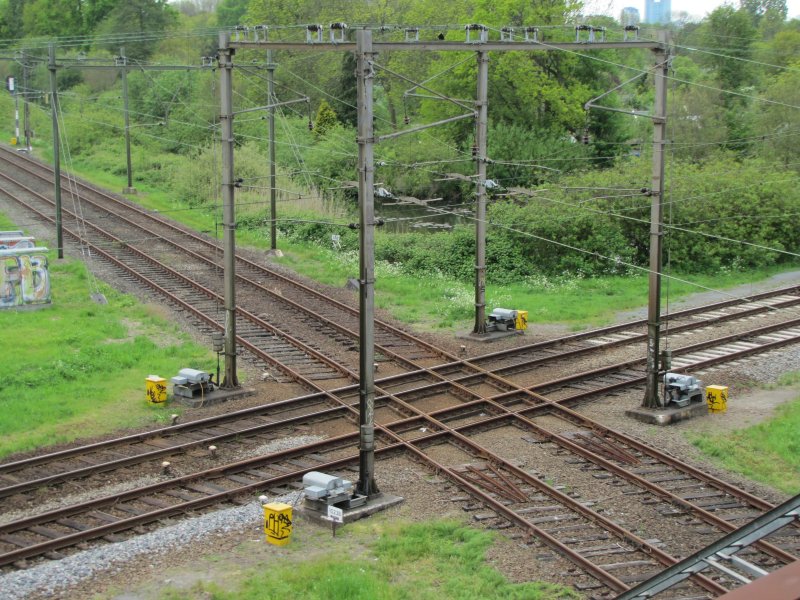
(442, 303)
(437, 560)
(77, 368)
(768, 452)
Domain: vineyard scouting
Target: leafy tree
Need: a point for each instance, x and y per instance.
(94, 11)
(11, 12)
(729, 24)
(783, 48)
(52, 18)
(542, 152)
(231, 12)
(142, 17)
(779, 122)
(346, 91)
(758, 9)
(326, 119)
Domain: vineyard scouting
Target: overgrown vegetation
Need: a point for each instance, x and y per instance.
(571, 198)
(77, 368)
(423, 561)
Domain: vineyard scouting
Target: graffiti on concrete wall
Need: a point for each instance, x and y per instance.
(9, 240)
(24, 278)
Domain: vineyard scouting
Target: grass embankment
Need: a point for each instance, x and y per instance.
(77, 368)
(768, 452)
(439, 302)
(380, 561)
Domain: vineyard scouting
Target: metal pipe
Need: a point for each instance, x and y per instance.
(26, 109)
(389, 136)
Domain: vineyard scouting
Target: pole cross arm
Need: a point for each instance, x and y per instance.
(274, 105)
(635, 113)
(389, 136)
(76, 64)
(421, 86)
(452, 46)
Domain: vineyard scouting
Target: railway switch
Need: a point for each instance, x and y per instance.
(682, 390)
(504, 319)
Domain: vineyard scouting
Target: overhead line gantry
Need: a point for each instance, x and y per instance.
(366, 49)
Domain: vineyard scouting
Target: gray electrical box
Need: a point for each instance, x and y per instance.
(682, 390)
(191, 382)
(322, 490)
(330, 489)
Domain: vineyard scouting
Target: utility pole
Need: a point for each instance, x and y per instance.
(652, 398)
(123, 60)
(56, 149)
(273, 234)
(481, 104)
(230, 380)
(366, 289)
(26, 111)
(15, 92)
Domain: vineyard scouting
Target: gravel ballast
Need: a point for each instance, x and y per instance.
(52, 578)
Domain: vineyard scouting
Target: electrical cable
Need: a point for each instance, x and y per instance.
(739, 58)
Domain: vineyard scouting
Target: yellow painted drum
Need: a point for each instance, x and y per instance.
(717, 398)
(278, 523)
(156, 389)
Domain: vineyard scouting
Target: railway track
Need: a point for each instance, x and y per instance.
(450, 403)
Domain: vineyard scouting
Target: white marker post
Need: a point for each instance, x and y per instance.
(335, 515)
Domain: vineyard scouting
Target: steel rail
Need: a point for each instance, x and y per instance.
(477, 448)
(630, 340)
(408, 363)
(645, 449)
(541, 399)
(501, 461)
(125, 524)
(299, 345)
(410, 445)
(534, 408)
(186, 232)
(754, 298)
(665, 318)
(63, 513)
(241, 312)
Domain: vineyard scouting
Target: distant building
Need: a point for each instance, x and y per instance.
(657, 11)
(629, 16)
